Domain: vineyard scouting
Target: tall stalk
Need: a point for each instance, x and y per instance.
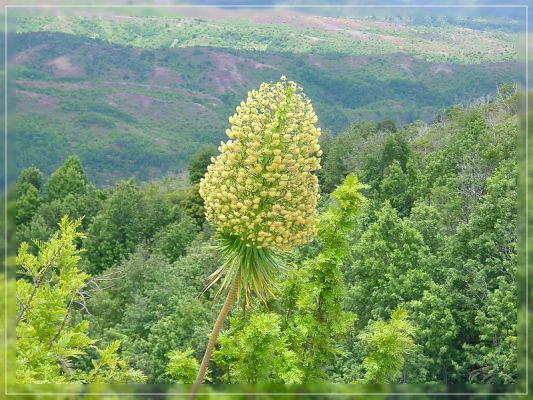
(214, 335)
(261, 193)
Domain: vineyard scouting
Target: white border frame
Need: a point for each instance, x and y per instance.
(257, 6)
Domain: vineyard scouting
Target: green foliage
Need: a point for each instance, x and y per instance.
(27, 204)
(394, 148)
(256, 351)
(49, 285)
(68, 192)
(386, 125)
(389, 266)
(317, 289)
(173, 239)
(95, 87)
(173, 316)
(494, 358)
(110, 368)
(428, 220)
(28, 198)
(437, 237)
(435, 357)
(41, 225)
(400, 188)
(351, 151)
(199, 162)
(151, 214)
(30, 176)
(193, 205)
(387, 343)
(116, 231)
(182, 366)
(69, 179)
(47, 291)
(486, 278)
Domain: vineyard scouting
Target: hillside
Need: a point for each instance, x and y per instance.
(411, 279)
(138, 95)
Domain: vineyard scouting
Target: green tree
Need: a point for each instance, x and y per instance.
(399, 187)
(314, 295)
(109, 367)
(257, 351)
(199, 162)
(174, 318)
(173, 239)
(182, 366)
(386, 344)
(350, 152)
(30, 176)
(193, 204)
(119, 227)
(67, 179)
(494, 357)
(433, 360)
(159, 209)
(27, 204)
(75, 206)
(386, 125)
(396, 148)
(49, 288)
(389, 268)
(427, 219)
(482, 264)
(27, 194)
(70, 194)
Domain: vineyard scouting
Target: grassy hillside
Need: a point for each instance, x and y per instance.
(288, 32)
(138, 95)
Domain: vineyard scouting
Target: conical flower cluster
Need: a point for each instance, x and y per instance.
(261, 188)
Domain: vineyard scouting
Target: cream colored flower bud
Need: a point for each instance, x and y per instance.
(261, 187)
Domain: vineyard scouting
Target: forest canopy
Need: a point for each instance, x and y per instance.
(411, 277)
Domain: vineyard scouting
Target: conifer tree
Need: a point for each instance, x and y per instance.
(67, 179)
(27, 194)
(316, 291)
(118, 228)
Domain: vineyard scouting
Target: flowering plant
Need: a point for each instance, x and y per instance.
(261, 193)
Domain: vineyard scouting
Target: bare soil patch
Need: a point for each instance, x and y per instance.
(164, 76)
(63, 67)
(226, 74)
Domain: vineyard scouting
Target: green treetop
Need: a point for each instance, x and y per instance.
(50, 287)
(68, 179)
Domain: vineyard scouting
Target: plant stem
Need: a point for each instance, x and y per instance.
(213, 338)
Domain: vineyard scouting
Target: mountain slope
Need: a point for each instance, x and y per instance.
(138, 96)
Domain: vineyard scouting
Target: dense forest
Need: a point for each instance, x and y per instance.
(411, 277)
